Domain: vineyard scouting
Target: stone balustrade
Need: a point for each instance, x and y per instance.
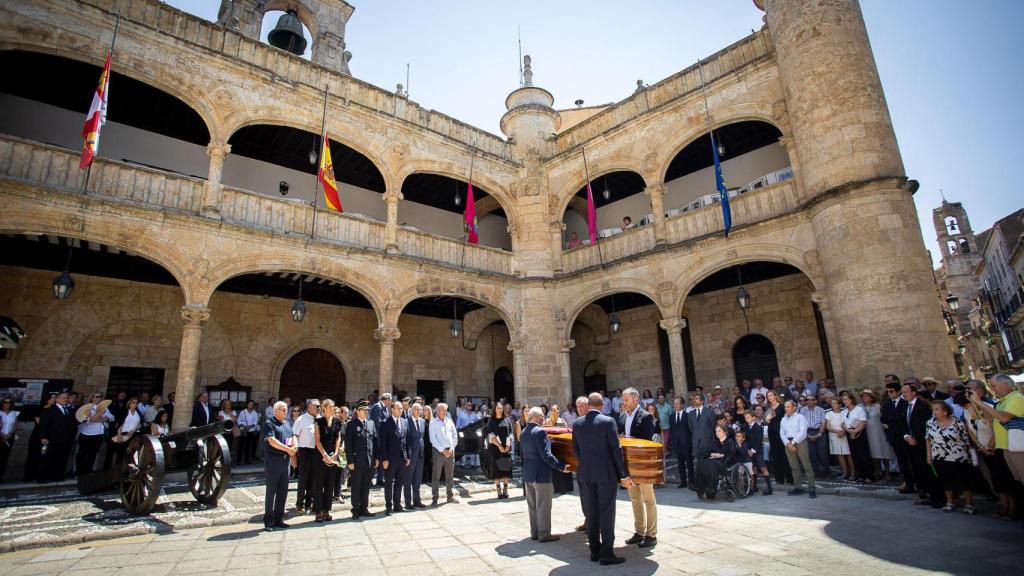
(455, 252)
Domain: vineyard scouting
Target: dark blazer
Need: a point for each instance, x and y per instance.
(538, 461)
(702, 431)
(890, 416)
(679, 433)
(595, 442)
(199, 417)
(378, 413)
(393, 440)
(643, 425)
(414, 440)
(919, 418)
(57, 428)
(755, 435)
(360, 443)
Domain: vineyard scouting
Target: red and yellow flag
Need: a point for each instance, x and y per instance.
(95, 119)
(331, 197)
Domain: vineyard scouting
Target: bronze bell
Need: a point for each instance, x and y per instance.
(287, 35)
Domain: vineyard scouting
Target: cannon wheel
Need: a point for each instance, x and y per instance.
(143, 475)
(208, 477)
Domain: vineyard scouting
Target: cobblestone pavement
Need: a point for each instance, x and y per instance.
(791, 536)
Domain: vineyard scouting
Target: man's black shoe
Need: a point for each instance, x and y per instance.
(268, 528)
(355, 515)
(281, 525)
(813, 494)
(387, 512)
(418, 505)
(612, 560)
(367, 513)
(795, 492)
(635, 539)
(908, 491)
(594, 557)
(649, 542)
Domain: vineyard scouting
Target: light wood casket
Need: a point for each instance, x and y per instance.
(645, 462)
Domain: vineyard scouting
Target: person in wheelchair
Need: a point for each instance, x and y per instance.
(713, 464)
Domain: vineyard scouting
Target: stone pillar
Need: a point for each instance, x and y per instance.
(557, 232)
(391, 227)
(674, 328)
(518, 369)
(193, 317)
(657, 196)
(566, 367)
(794, 163)
(387, 336)
(212, 189)
(878, 278)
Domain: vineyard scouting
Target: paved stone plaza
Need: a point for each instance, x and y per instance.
(831, 535)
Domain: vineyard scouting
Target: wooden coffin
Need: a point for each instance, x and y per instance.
(645, 460)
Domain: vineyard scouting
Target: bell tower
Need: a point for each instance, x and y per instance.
(325, 20)
(960, 256)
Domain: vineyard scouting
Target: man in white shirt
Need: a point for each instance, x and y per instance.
(443, 438)
(606, 407)
(308, 456)
(617, 401)
(268, 412)
(810, 384)
(793, 433)
(757, 388)
(90, 436)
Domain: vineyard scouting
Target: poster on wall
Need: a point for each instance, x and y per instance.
(28, 393)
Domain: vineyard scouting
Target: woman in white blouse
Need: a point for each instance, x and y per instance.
(161, 425)
(131, 426)
(855, 421)
(8, 428)
(226, 413)
(248, 425)
(838, 444)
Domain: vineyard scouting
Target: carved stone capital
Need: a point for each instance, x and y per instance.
(655, 190)
(566, 345)
(819, 298)
(387, 334)
(194, 315)
(516, 346)
(393, 196)
(218, 149)
(673, 325)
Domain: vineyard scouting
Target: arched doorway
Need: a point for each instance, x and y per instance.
(504, 386)
(313, 373)
(753, 356)
(594, 379)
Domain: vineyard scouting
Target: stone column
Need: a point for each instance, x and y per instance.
(830, 334)
(794, 163)
(518, 369)
(212, 190)
(387, 336)
(657, 196)
(674, 328)
(193, 317)
(557, 232)
(391, 227)
(565, 351)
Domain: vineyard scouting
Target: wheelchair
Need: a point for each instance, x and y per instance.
(735, 482)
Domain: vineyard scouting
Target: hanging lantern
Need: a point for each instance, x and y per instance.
(64, 284)
(614, 324)
(299, 307)
(953, 301)
(456, 327)
(743, 298)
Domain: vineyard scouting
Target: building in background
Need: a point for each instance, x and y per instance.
(1000, 275)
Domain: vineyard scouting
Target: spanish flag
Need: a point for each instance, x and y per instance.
(95, 119)
(327, 176)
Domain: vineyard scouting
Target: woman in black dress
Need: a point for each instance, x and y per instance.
(777, 453)
(713, 462)
(499, 450)
(327, 436)
(33, 462)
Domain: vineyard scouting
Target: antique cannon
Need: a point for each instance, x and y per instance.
(644, 459)
(202, 452)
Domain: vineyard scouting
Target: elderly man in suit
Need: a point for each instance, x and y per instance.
(361, 453)
(595, 442)
(634, 422)
(538, 462)
(395, 458)
(202, 413)
(681, 441)
(414, 440)
(701, 422)
(57, 429)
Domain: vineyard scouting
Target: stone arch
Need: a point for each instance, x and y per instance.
(723, 258)
(332, 345)
(458, 290)
(689, 133)
(331, 269)
(598, 168)
(494, 188)
(604, 287)
(474, 324)
(90, 52)
(595, 318)
(80, 361)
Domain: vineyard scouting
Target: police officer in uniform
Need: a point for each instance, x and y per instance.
(361, 452)
(278, 453)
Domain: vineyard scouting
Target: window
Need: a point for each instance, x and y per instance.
(951, 247)
(134, 381)
(965, 246)
(951, 225)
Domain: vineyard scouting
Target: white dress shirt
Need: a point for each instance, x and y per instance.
(95, 428)
(443, 434)
(628, 430)
(302, 430)
(248, 421)
(617, 404)
(8, 420)
(132, 422)
(794, 427)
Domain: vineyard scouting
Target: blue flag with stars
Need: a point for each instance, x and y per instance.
(720, 185)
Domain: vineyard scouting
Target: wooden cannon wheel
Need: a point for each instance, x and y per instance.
(143, 475)
(208, 477)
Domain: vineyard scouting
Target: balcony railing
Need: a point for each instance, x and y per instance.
(1013, 312)
(57, 169)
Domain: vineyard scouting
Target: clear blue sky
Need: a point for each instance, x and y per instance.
(951, 70)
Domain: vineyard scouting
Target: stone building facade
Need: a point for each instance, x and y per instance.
(858, 287)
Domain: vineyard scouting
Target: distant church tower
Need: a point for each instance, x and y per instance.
(960, 256)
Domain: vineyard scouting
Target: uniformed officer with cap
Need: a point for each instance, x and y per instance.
(361, 452)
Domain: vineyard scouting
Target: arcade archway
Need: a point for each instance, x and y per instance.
(313, 373)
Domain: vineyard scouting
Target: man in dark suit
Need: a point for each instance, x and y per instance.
(538, 462)
(891, 409)
(595, 442)
(414, 440)
(379, 412)
(681, 442)
(169, 407)
(202, 413)
(913, 420)
(701, 421)
(361, 453)
(394, 457)
(57, 428)
(635, 422)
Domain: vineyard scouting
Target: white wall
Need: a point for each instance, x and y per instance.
(52, 125)
(737, 171)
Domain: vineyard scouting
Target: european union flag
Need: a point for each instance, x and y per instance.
(720, 185)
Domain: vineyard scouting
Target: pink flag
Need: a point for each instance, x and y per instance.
(591, 216)
(469, 217)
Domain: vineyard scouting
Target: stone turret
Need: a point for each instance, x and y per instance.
(879, 287)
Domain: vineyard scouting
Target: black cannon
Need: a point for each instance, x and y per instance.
(201, 451)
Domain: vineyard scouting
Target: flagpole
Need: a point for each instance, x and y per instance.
(597, 239)
(320, 159)
(462, 257)
(714, 151)
(117, 24)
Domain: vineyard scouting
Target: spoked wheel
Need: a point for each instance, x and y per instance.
(730, 495)
(143, 475)
(208, 477)
(742, 483)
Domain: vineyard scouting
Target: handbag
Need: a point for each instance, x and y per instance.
(503, 463)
